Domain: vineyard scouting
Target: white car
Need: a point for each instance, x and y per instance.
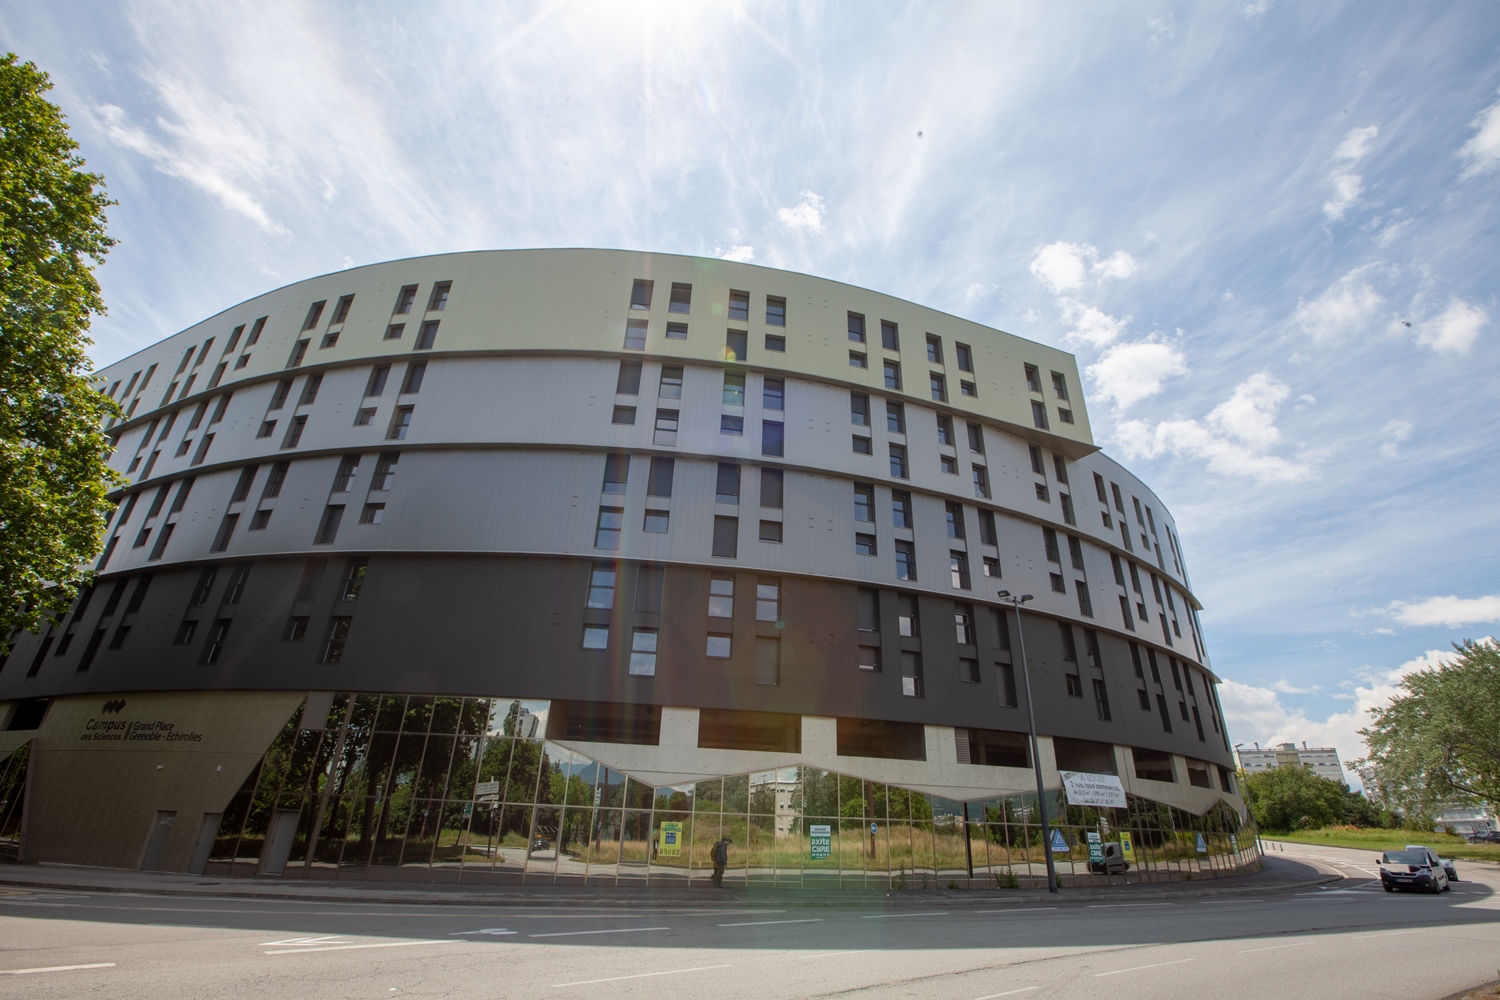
(1448, 867)
(1416, 868)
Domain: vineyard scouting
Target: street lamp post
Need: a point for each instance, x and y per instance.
(1036, 760)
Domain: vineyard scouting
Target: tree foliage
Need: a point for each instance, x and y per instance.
(1438, 742)
(53, 476)
(1291, 797)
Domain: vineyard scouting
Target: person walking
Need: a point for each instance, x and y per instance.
(721, 860)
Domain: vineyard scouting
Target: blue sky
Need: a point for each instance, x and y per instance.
(1268, 231)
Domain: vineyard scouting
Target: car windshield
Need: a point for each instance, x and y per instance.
(1406, 857)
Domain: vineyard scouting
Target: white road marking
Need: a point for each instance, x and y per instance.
(762, 923)
(1138, 968)
(611, 930)
(639, 975)
(299, 941)
(1018, 909)
(497, 931)
(1276, 947)
(357, 947)
(1108, 906)
(1008, 993)
(56, 968)
(889, 916)
(835, 954)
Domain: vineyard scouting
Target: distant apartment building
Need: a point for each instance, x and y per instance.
(1322, 761)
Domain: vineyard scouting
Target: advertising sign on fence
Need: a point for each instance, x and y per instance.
(1085, 788)
(671, 840)
(1096, 847)
(1127, 847)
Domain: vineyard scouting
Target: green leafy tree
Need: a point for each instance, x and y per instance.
(1291, 797)
(53, 476)
(1438, 742)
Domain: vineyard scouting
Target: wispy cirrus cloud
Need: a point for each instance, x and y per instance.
(1481, 153)
(1452, 610)
(1348, 185)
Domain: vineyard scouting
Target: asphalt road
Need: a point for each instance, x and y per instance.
(1348, 940)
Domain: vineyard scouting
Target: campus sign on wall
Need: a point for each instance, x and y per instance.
(1085, 788)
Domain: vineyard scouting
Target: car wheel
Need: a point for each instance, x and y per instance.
(1447, 886)
(1390, 888)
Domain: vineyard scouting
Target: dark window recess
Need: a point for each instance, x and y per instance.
(992, 748)
(739, 305)
(772, 488)
(682, 298)
(217, 634)
(226, 532)
(658, 479)
(385, 470)
(617, 473)
(414, 376)
(728, 486)
(338, 636)
(725, 729)
(859, 409)
(241, 486)
(328, 528)
(296, 629)
(185, 632)
(890, 338)
(1166, 716)
(775, 311)
(726, 537)
(736, 345)
(604, 722)
(439, 300)
(28, 714)
(987, 534)
(161, 542)
(404, 299)
(965, 357)
(772, 438)
(1152, 764)
(354, 579)
(1101, 700)
(1006, 681)
(640, 294)
(623, 415)
(427, 336)
(881, 739)
(628, 382)
(237, 582)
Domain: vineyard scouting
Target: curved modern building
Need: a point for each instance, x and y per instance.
(559, 564)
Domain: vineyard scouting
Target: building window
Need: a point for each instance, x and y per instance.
(400, 423)
(328, 527)
(1059, 385)
(898, 461)
(1065, 415)
(965, 357)
(394, 331)
(864, 502)
(1033, 378)
(895, 418)
(893, 375)
(969, 389)
(1067, 508)
(1085, 604)
(185, 633)
(857, 359)
(659, 477)
(294, 432)
(677, 331)
(373, 513)
(439, 300)
(736, 345)
(1039, 414)
(939, 387)
(734, 388)
(856, 328)
(770, 531)
(348, 467)
(945, 429)
(276, 479)
(640, 294)
(773, 394)
(772, 438)
(283, 390)
(934, 349)
(734, 426)
(628, 381)
(414, 376)
(364, 417)
(1042, 493)
(1059, 585)
(775, 342)
(963, 625)
(906, 560)
(1075, 686)
(596, 637)
(404, 299)
(385, 471)
(296, 629)
(680, 302)
(727, 485)
(768, 600)
(670, 385)
(1049, 545)
(635, 335)
(607, 532)
(862, 445)
(992, 567)
(868, 658)
(901, 508)
(226, 531)
(859, 409)
(958, 569)
(981, 482)
(354, 579)
(739, 305)
(666, 427)
(314, 313)
(976, 438)
(987, 527)
(889, 338)
(643, 652)
(864, 544)
(623, 415)
(601, 586)
(426, 336)
(656, 521)
(338, 636)
(772, 488)
(911, 674)
(775, 311)
(719, 646)
(726, 537)
(721, 597)
(953, 513)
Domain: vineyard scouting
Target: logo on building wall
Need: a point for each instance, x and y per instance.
(113, 707)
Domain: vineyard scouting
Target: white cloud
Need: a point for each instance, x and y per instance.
(1286, 687)
(1129, 373)
(1395, 431)
(1345, 308)
(807, 215)
(1347, 185)
(1256, 9)
(1451, 610)
(1455, 329)
(1090, 326)
(1063, 267)
(1482, 151)
(976, 291)
(1234, 439)
(742, 252)
(1256, 714)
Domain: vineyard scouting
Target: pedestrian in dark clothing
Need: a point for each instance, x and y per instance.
(721, 860)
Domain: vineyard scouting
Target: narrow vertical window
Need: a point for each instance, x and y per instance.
(739, 305)
(659, 479)
(889, 337)
(934, 349)
(607, 533)
(439, 300)
(895, 418)
(736, 345)
(727, 489)
(640, 294)
(773, 394)
(898, 461)
(893, 375)
(906, 560)
(628, 382)
(404, 300)
(772, 488)
(427, 336)
(726, 541)
(856, 328)
(338, 637)
(958, 567)
(414, 376)
(939, 386)
(775, 311)
(859, 409)
(616, 472)
(328, 527)
(773, 438)
(682, 298)
(965, 357)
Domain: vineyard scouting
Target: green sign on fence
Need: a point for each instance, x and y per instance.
(821, 837)
(1096, 847)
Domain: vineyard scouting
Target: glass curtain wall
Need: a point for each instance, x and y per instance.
(449, 789)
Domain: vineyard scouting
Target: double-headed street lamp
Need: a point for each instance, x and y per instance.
(1036, 760)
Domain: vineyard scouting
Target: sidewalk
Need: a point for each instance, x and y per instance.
(1279, 875)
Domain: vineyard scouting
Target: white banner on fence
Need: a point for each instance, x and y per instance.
(1087, 789)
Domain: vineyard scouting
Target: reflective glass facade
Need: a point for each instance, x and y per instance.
(448, 789)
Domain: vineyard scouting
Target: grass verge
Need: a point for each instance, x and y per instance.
(1446, 845)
